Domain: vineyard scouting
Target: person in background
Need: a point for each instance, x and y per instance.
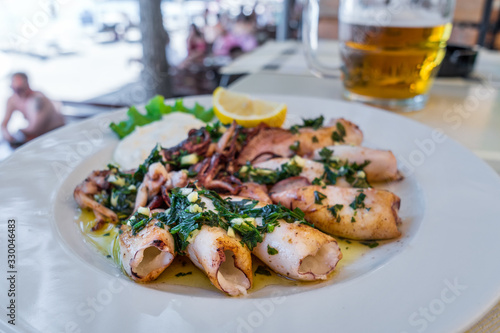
(196, 47)
(36, 108)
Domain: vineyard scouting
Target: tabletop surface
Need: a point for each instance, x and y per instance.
(467, 110)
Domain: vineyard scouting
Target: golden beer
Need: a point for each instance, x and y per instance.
(391, 62)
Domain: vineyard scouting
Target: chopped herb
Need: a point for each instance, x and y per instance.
(315, 139)
(295, 146)
(315, 123)
(326, 154)
(242, 137)
(191, 173)
(294, 129)
(317, 181)
(359, 201)
(335, 211)
(335, 168)
(267, 176)
(183, 274)
(271, 250)
(108, 256)
(138, 221)
(214, 130)
(353, 219)
(339, 134)
(319, 197)
(106, 234)
(262, 271)
(370, 244)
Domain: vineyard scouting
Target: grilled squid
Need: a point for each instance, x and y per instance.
(297, 251)
(382, 167)
(148, 253)
(85, 191)
(226, 262)
(272, 142)
(366, 214)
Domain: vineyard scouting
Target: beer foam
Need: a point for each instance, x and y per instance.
(392, 17)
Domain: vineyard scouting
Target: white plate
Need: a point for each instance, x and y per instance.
(441, 276)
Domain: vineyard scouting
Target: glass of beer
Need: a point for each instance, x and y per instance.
(390, 49)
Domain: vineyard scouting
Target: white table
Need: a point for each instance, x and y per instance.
(466, 110)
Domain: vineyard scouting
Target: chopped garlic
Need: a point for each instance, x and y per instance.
(144, 211)
(193, 196)
(244, 169)
(195, 209)
(230, 232)
(186, 190)
(193, 235)
(299, 161)
(361, 174)
(237, 221)
(189, 159)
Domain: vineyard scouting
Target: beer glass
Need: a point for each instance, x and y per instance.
(390, 49)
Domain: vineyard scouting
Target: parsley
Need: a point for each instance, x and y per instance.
(353, 219)
(315, 139)
(358, 201)
(319, 197)
(294, 129)
(339, 134)
(154, 156)
(267, 176)
(370, 244)
(214, 130)
(183, 274)
(325, 154)
(271, 250)
(295, 146)
(335, 211)
(335, 168)
(261, 270)
(315, 123)
(242, 137)
(138, 221)
(107, 234)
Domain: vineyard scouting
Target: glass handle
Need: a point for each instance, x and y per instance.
(310, 21)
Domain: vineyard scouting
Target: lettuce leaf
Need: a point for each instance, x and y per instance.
(155, 109)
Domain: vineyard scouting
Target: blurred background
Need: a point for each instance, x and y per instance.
(93, 56)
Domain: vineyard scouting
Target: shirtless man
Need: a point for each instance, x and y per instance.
(40, 112)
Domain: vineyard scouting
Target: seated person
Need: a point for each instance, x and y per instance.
(38, 110)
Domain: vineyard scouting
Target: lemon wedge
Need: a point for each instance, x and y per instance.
(247, 112)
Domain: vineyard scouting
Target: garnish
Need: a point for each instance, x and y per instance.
(183, 274)
(335, 168)
(267, 176)
(335, 211)
(319, 197)
(262, 270)
(315, 123)
(315, 139)
(271, 250)
(339, 134)
(295, 146)
(155, 109)
(359, 201)
(370, 244)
